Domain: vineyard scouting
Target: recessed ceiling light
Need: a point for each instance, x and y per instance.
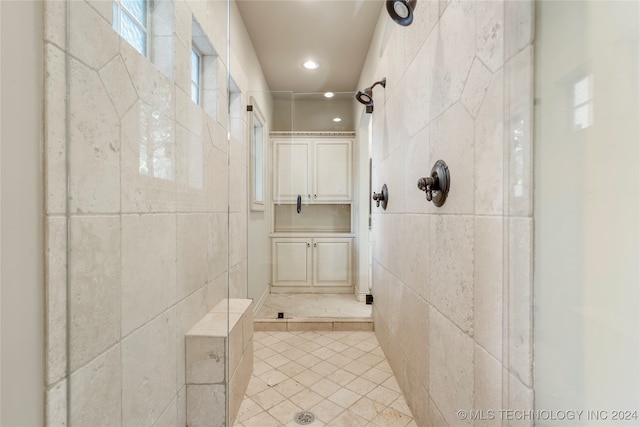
(310, 64)
(329, 94)
(337, 119)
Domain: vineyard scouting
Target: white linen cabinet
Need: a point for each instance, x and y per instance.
(312, 250)
(319, 170)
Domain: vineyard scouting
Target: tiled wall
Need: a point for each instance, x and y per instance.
(452, 285)
(147, 254)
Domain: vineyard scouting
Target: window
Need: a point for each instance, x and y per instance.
(583, 103)
(130, 21)
(196, 61)
(204, 70)
(257, 136)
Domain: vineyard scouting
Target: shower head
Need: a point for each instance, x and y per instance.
(401, 11)
(366, 96)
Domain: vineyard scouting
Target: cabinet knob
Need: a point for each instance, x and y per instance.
(315, 244)
(315, 196)
(308, 244)
(308, 196)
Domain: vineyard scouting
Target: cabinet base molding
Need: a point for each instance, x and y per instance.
(311, 290)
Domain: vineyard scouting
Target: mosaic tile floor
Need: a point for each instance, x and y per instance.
(343, 378)
(313, 305)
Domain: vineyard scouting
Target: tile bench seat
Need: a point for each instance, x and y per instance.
(206, 363)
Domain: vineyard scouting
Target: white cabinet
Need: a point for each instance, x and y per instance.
(312, 264)
(332, 261)
(319, 170)
(291, 262)
(291, 170)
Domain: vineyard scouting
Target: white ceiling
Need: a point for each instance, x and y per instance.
(335, 33)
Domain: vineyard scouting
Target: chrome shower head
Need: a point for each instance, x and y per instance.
(366, 96)
(401, 11)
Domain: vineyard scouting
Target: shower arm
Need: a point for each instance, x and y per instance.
(382, 82)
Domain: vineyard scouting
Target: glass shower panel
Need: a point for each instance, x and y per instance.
(147, 211)
(303, 262)
(587, 351)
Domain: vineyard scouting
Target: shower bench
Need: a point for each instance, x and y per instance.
(209, 386)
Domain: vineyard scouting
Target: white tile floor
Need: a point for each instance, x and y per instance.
(343, 378)
(313, 305)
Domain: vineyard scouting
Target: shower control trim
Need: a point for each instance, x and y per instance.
(382, 197)
(436, 186)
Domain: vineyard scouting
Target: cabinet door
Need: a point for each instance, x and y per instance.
(291, 170)
(291, 262)
(332, 261)
(332, 170)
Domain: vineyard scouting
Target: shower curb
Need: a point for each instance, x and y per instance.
(313, 324)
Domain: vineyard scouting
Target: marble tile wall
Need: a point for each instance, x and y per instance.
(146, 210)
(452, 285)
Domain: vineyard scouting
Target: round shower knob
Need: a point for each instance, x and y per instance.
(436, 186)
(382, 197)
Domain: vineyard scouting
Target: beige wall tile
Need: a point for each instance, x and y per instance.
(416, 164)
(55, 131)
(188, 312)
(489, 156)
(55, 24)
(476, 87)
(452, 140)
(488, 268)
(487, 387)
(205, 360)
(148, 277)
(519, 26)
(518, 75)
(94, 288)
(217, 245)
(91, 30)
(56, 294)
(145, 394)
(206, 405)
(96, 391)
(490, 33)
(454, 48)
(191, 253)
(451, 369)
(94, 147)
(416, 393)
(118, 85)
(150, 179)
(415, 260)
(451, 263)
(169, 418)
(520, 327)
(56, 404)
(413, 336)
(192, 169)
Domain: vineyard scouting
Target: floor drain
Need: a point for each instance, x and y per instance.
(304, 418)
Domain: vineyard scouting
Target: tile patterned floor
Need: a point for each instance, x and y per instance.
(313, 305)
(342, 377)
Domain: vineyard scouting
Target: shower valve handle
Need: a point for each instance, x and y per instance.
(382, 197)
(427, 184)
(377, 197)
(436, 185)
